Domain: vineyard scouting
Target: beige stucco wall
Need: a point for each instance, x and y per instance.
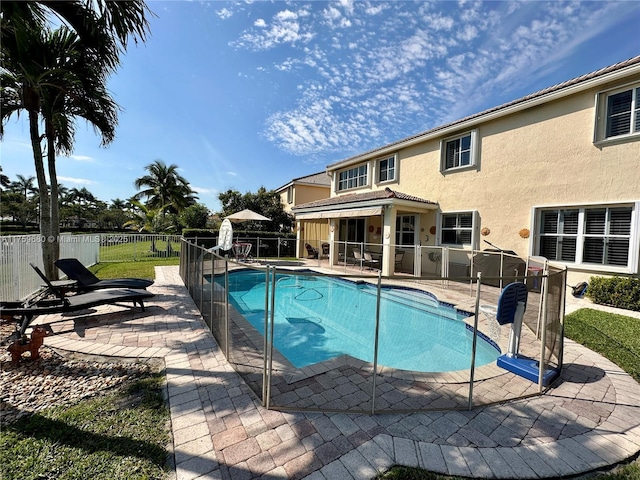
(541, 156)
(304, 194)
(310, 193)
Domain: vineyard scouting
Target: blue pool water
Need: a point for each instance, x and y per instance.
(319, 318)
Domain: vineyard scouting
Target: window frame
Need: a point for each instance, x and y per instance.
(583, 236)
(357, 177)
(473, 244)
(602, 120)
(473, 151)
(412, 219)
(378, 164)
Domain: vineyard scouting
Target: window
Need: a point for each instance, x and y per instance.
(387, 169)
(620, 114)
(405, 230)
(353, 178)
(590, 236)
(457, 228)
(290, 194)
(458, 152)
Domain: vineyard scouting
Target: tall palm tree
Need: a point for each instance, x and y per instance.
(165, 188)
(55, 85)
(46, 87)
(104, 27)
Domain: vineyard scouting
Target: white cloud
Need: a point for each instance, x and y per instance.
(77, 181)
(81, 158)
(212, 192)
(399, 65)
(224, 13)
(233, 174)
(284, 28)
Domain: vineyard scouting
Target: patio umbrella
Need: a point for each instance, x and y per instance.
(246, 215)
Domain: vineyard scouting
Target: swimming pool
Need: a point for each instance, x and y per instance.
(319, 318)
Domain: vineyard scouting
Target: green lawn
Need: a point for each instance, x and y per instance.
(616, 337)
(140, 269)
(139, 250)
(613, 336)
(119, 436)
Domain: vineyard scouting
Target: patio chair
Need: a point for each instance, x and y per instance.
(325, 250)
(25, 312)
(311, 252)
(370, 261)
(86, 280)
(398, 260)
(358, 258)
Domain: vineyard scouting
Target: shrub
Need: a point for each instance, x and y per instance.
(620, 292)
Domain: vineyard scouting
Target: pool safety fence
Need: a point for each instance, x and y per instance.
(346, 382)
(261, 248)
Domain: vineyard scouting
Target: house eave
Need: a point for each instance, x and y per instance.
(471, 123)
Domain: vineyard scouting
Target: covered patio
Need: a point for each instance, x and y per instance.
(369, 228)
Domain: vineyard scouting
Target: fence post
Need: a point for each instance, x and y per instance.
(375, 344)
(273, 307)
(265, 340)
(472, 370)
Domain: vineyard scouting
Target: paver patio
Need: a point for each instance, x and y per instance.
(590, 420)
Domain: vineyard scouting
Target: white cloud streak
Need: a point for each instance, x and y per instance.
(76, 181)
(366, 72)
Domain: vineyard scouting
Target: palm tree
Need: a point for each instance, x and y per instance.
(104, 27)
(61, 76)
(4, 180)
(56, 85)
(165, 188)
(24, 185)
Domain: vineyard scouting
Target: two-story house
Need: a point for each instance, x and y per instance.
(554, 174)
(302, 190)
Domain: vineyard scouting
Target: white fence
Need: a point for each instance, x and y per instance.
(18, 280)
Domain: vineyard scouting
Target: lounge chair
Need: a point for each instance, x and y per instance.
(311, 252)
(26, 311)
(86, 280)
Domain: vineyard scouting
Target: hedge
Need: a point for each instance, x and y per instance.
(619, 292)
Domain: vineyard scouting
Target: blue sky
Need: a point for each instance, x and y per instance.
(248, 94)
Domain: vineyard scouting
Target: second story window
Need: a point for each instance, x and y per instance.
(387, 169)
(353, 178)
(618, 115)
(623, 113)
(458, 152)
(290, 194)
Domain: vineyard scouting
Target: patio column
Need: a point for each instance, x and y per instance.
(333, 250)
(388, 240)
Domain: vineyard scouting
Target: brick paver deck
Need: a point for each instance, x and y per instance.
(590, 420)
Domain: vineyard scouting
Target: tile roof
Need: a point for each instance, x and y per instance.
(540, 93)
(362, 197)
(320, 179)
